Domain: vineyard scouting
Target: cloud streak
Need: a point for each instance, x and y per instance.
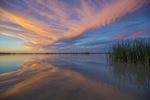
(43, 22)
(136, 33)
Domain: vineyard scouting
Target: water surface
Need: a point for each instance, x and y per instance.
(71, 77)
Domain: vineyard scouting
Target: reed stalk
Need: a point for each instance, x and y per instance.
(131, 51)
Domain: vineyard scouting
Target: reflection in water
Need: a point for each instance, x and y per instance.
(137, 74)
(9, 63)
(57, 78)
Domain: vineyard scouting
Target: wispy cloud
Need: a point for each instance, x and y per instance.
(136, 33)
(44, 22)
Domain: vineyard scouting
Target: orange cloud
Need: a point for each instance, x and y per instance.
(55, 20)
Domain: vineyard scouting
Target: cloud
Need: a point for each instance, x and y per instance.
(136, 33)
(43, 23)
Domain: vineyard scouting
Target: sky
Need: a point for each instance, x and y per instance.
(70, 25)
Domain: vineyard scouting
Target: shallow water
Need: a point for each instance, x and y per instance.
(71, 77)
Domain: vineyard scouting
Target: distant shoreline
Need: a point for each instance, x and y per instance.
(86, 53)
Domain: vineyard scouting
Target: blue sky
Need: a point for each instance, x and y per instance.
(70, 25)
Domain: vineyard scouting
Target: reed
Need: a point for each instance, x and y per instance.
(131, 51)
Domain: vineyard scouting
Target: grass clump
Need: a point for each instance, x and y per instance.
(131, 51)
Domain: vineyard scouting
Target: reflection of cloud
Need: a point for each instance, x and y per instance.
(45, 22)
(42, 80)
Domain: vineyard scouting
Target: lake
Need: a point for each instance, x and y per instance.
(71, 77)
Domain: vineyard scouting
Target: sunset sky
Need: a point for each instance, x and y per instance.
(70, 25)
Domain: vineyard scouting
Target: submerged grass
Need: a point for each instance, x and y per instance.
(131, 51)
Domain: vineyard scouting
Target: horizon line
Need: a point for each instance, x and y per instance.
(54, 53)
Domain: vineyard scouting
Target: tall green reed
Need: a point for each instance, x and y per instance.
(131, 51)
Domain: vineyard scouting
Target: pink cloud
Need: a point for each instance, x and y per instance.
(37, 33)
(137, 33)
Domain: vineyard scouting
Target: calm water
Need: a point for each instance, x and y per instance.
(71, 77)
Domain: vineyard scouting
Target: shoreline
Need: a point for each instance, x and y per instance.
(85, 53)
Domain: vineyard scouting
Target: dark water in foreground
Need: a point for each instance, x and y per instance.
(71, 77)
